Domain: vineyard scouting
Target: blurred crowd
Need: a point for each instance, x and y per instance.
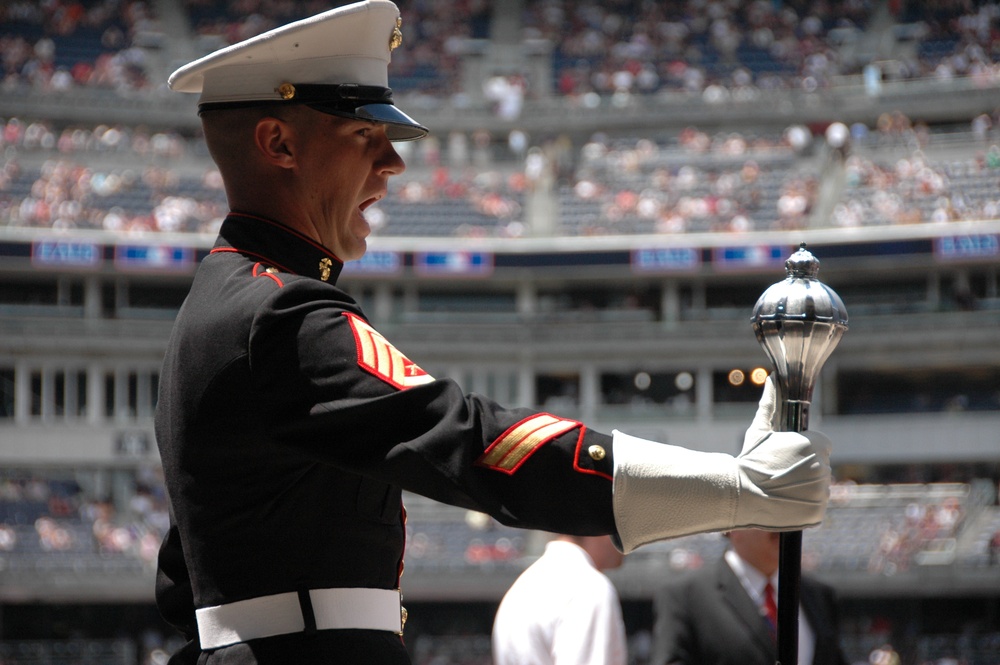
(135, 181)
(749, 184)
(919, 528)
(45, 514)
(133, 520)
(138, 193)
(644, 47)
(131, 525)
(606, 48)
(61, 44)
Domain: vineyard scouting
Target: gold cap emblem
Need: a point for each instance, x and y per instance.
(286, 90)
(397, 35)
(324, 268)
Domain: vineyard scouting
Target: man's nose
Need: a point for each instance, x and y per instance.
(391, 163)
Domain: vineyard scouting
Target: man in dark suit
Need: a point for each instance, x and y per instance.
(719, 614)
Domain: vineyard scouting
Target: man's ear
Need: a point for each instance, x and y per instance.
(274, 139)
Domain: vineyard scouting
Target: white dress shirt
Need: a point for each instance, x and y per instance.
(754, 582)
(560, 611)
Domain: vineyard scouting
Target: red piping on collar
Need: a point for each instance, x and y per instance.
(289, 229)
(261, 257)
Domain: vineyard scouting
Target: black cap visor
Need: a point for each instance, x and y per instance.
(399, 126)
(347, 100)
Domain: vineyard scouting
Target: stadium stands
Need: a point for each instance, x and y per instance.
(882, 530)
(65, 44)
(137, 182)
(878, 529)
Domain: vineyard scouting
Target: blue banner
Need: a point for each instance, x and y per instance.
(154, 257)
(375, 262)
(666, 259)
(973, 246)
(66, 253)
(475, 264)
(752, 256)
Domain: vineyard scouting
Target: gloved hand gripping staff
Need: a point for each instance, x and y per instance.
(798, 322)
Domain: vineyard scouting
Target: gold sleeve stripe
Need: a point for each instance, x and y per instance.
(382, 359)
(509, 451)
(499, 448)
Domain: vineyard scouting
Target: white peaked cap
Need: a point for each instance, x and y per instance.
(336, 61)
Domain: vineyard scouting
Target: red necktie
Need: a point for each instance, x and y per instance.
(770, 609)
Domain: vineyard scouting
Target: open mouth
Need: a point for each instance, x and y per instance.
(369, 202)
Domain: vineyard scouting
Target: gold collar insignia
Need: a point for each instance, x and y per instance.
(324, 268)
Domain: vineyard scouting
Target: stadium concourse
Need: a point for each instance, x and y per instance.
(597, 172)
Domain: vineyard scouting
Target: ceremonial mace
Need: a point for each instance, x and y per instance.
(798, 322)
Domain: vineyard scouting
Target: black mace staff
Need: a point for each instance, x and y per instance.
(798, 322)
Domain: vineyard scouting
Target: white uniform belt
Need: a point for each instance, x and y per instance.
(296, 612)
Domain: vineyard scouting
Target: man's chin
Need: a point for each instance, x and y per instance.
(356, 250)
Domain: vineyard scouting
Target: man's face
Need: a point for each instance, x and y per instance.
(758, 548)
(345, 168)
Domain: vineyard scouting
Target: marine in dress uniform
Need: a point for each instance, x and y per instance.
(288, 425)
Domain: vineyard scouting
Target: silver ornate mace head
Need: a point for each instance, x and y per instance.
(799, 322)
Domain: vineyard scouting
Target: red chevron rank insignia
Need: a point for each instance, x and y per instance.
(379, 357)
(518, 443)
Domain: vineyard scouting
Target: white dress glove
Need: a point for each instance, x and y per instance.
(779, 482)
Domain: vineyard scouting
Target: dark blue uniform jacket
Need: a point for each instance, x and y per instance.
(288, 427)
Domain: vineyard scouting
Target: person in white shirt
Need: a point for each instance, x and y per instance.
(563, 610)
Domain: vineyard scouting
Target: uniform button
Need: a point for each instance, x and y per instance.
(596, 453)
